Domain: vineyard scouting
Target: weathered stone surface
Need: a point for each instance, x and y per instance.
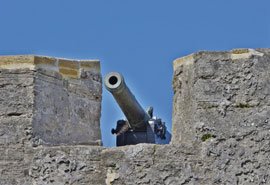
(221, 104)
(222, 94)
(63, 97)
(67, 165)
(16, 104)
(31, 88)
(67, 104)
(221, 131)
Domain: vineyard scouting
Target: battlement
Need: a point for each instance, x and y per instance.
(50, 124)
(61, 96)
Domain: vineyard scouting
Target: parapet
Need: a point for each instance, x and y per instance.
(60, 97)
(221, 124)
(221, 95)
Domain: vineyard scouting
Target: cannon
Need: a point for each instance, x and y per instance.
(140, 126)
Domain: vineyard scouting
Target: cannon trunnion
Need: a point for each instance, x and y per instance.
(140, 126)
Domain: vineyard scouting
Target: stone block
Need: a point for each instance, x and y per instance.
(67, 165)
(61, 97)
(221, 95)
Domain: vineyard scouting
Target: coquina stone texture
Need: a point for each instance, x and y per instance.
(45, 101)
(222, 106)
(221, 129)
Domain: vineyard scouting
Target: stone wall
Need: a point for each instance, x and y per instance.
(222, 94)
(16, 105)
(45, 101)
(222, 106)
(221, 130)
(67, 102)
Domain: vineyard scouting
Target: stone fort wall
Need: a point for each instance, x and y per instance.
(50, 114)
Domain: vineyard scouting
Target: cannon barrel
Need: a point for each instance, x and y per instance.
(135, 114)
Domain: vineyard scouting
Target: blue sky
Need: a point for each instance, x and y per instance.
(138, 38)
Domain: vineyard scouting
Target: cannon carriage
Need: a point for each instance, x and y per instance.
(140, 126)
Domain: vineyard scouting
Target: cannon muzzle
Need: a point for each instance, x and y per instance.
(135, 114)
